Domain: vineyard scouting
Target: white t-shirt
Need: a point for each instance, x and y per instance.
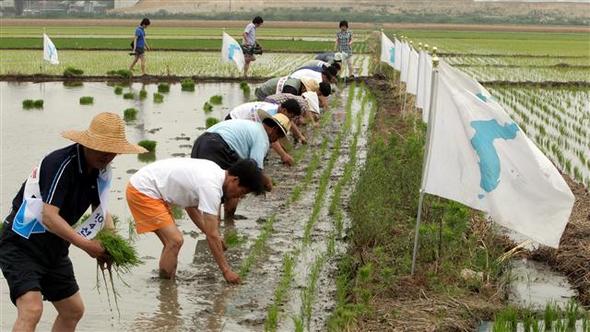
(185, 182)
(249, 111)
(307, 73)
(250, 31)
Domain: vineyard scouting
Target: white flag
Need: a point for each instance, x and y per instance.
(405, 62)
(231, 51)
(459, 78)
(478, 156)
(425, 80)
(49, 51)
(398, 55)
(412, 85)
(388, 51)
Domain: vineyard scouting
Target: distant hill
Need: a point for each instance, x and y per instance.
(532, 11)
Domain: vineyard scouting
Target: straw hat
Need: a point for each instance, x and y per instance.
(281, 119)
(106, 133)
(312, 101)
(310, 84)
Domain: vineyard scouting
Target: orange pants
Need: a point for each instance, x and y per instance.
(150, 214)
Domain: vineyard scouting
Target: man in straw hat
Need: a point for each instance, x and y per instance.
(198, 186)
(229, 141)
(290, 108)
(38, 231)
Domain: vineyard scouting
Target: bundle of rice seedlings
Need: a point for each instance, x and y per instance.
(211, 122)
(86, 100)
(216, 100)
(143, 94)
(72, 72)
(130, 114)
(245, 87)
(123, 254)
(123, 73)
(146, 157)
(208, 108)
(38, 103)
(118, 90)
(148, 145)
(164, 87)
(129, 95)
(158, 97)
(28, 103)
(187, 85)
(124, 257)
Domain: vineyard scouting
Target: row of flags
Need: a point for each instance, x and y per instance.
(477, 155)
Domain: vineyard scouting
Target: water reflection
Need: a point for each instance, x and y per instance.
(168, 316)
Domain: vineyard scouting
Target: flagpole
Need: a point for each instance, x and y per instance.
(401, 64)
(43, 59)
(407, 79)
(418, 80)
(381, 49)
(426, 159)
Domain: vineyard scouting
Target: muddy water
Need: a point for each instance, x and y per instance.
(199, 299)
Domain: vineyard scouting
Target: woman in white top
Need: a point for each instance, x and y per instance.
(198, 186)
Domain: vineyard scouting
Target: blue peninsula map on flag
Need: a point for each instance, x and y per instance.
(483, 143)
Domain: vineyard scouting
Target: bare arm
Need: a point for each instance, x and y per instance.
(211, 230)
(244, 40)
(323, 102)
(285, 157)
(196, 216)
(297, 133)
(58, 226)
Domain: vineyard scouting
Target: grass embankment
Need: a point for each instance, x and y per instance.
(374, 290)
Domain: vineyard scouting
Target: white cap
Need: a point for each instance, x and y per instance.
(313, 101)
(338, 56)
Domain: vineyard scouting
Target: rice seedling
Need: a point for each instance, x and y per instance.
(130, 114)
(73, 72)
(118, 90)
(271, 322)
(129, 95)
(258, 247)
(158, 98)
(208, 108)
(211, 121)
(163, 87)
(86, 100)
(187, 85)
(143, 94)
(232, 239)
(148, 145)
(216, 100)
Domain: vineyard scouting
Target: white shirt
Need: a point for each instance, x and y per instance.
(185, 182)
(249, 111)
(308, 73)
(250, 31)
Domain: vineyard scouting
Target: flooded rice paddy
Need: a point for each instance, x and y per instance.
(199, 299)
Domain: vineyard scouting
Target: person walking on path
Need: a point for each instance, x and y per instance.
(249, 42)
(140, 45)
(37, 233)
(344, 45)
(198, 186)
(229, 141)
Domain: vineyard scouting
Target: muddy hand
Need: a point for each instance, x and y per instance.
(288, 160)
(105, 262)
(231, 277)
(94, 249)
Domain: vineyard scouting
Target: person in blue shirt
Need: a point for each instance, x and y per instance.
(232, 140)
(140, 45)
